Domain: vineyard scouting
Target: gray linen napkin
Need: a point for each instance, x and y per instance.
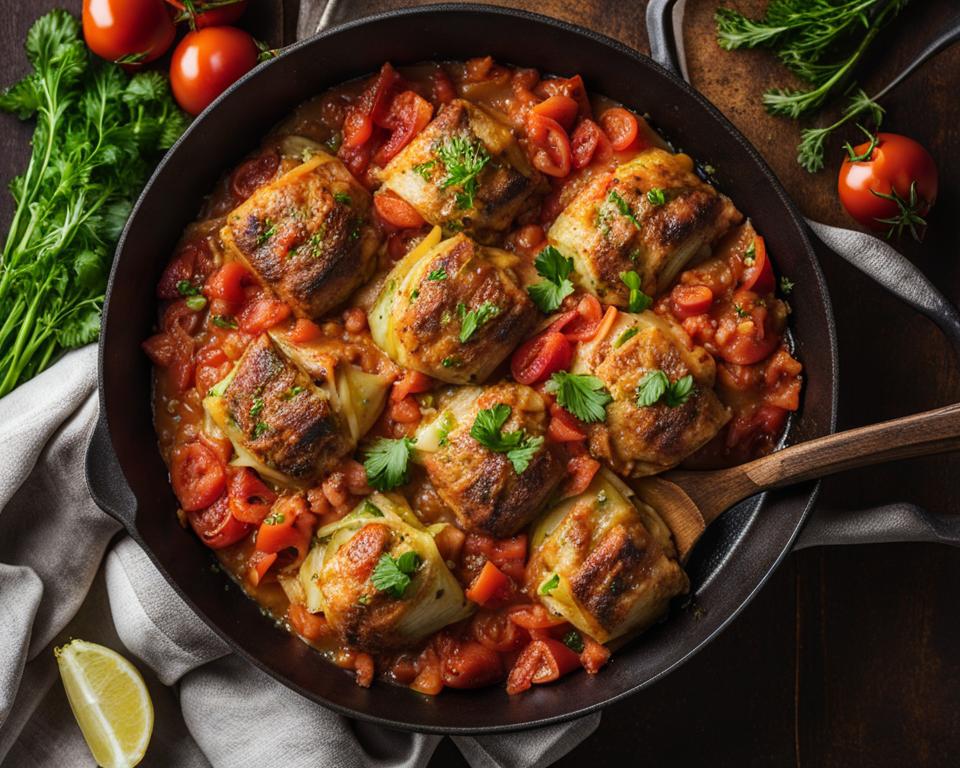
(211, 706)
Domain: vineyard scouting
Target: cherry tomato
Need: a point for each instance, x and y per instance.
(397, 211)
(758, 276)
(197, 476)
(537, 359)
(216, 527)
(127, 31)
(227, 283)
(542, 661)
(690, 300)
(561, 108)
(409, 114)
(621, 127)
(564, 427)
(207, 62)
(594, 655)
(549, 145)
(582, 323)
(567, 86)
(203, 15)
(893, 188)
(250, 498)
(589, 143)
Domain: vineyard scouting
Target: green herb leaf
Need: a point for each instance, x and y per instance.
(437, 275)
(393, 574)
(637, 300)
(224, 321)
(624, 337)
(550, 292)
(581, 394)
(451, 362)
(655, 385)
(656, 196)
(260, 428)
(369, 508)
(622, 206)
(257, 407)
(425, 170)
(275, 518)
(573, 641)
(463, 160)
(679, 392)
(343, 197)
(196, 303)
(518, 446)
(550, 584)
(268, 230)
(387, 462)
(786, 285)
(475, 319)
(186, 288)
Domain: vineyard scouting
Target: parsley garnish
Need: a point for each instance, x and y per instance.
(292, 392)
(451, 362)
(786, 285)
(268, 231)
(741, 312)
(472, 321)
(256, 407)
(623, 206)
(581, 394)
(447, 423)
(656, 196)
(275, 519)
(364, 599)
(624, 337)
(369, 508)
(224, 321)
(414, 294)
(463, 161)
(260, 428)
(425, 170)
(750, 254)
(186, 288)
(573, 641)
(343, 197)
(436, 275)
(638, 301)
(387, 463)
(393, 574)
(550, 584)
(656, 385)
(519, 447)
(556, 286)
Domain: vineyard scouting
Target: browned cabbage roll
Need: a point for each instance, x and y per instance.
(306, 236)
(651, 215)
(637, 440)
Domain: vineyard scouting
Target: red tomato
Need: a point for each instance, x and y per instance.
(212, 365)
(537, 359)
(209, 14)
(396, 211)
(621, 127)
(467, 663)
(594, 655)
(127, 31)
(409, 114)
(258, 565)
(357, 127)
(160, 349)
(304, 331)
(893, 188)
(311, 626)
(227, 283)
(262, 314)
(561, 108)
(497, 632)
(534, 617)
(253, 174)
(216, 527)
(542, 661)
(690, 300)
(443, 90)
(411, 383)
(589, 143)
(197, 476)
(178, 269)
(207, 62)
(549, 145)
(250, 497)
(758, 276)
(582, 323)
(490, 585)
(754, 336)
(279, 530)
(567, 86)
(564, 428)
(581, 470)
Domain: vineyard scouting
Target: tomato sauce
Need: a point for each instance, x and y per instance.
(210, 309)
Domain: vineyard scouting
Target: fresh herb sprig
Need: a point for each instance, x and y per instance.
(656, 385)
(393, 574)
(581, 394)
(475, 319)
(555, 269)
(463, 160)
(97, 134)
(388, 462)
(519, 447)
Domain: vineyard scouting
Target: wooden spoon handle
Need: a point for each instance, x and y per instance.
(936, 431)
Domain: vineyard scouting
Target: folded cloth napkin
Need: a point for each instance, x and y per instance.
(211, 706)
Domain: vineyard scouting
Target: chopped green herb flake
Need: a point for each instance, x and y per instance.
(656, 196)
(364, 599)
(387, 462)
(573, 641)
(269, 230)
(343, 197)
(224, 321)
(196, 303)
(475, 319)
(369, 508)
(624, 337)
(451, 362)
(786, 285)
(256, 407)
(186, 288)
(274, 519)
(425, 170)
(260, 428)
(637, 300)
(622, 206)
(550, 584)
(463, 160)
(436, 275)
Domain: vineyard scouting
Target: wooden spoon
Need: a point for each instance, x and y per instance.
(689, 501)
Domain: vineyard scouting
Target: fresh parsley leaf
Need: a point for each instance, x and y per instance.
(186, 288)
(196, 303)
(786, 285)
(521, 456)
(425, 170)
(679, 392)
(343, 197)
(393, 574)
(581, 394)
(637, 300)
(518, 446)
(624, 337)
(260, 428)
(257, 407)
(750, 254)
(369, 508)
(556, 286)
(387, 462)
(550, 584)
(656, 196)
(623, 206)
(472, 321)
(655, 385)
(463, 160)
(573, 641)
(451, 362)
(224, 321)
(437, 275)
(741, 312)
(269, 230)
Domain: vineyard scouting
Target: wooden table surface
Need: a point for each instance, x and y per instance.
(849, 656)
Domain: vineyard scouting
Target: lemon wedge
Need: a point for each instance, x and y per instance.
(110, 701)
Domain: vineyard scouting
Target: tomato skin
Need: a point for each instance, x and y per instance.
(564, 427)
(496, 631)
(250, 498)
(581, 470)
(893, 166)
(537, 359)
(178, 269)
(549, 145)
(409, 114)
(214, 17)
(120, 29)
(567, 86)
(691, 300)
(582, 323)
(227, 283)
(216, 527)
(621, 127)
(589, 143)
(262, 314)
(254, 173)
(561, 108)
(197, 476)
(467, 663)
(758, 277)
(542, 661)
(207, 62)
(397, 211)
(411, 383)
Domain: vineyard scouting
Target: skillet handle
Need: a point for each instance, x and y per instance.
(899, 522)
(663, 43)
(105, 479)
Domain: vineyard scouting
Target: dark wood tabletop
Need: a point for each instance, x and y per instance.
(849, 655)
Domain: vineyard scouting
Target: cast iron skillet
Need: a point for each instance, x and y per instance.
(129, 480)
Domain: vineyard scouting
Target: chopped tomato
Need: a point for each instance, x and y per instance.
(621, 127)
(365, 668)
(542, 661)
(589, 143)
(490, 585)
(258, 565)
(396, 211)
(250, 498)
(496, 631)
(429, 679)
(212, 364)
(215, 526)
(564, 427)
(278, 530)
(581, 470)
(758, 276)
(227, 283)
(691, 300)
(747, 432)
(582, 323)
(253, 174)
(509, 555)
(178, 315)
(549, 145)
(357, 159)
(411, 383)
(567, 86)
(443, 90)
(594, 655)
(406, 411)
(357, 127)
(409, 114)
(746, 332)
(311, 626)
(179, 270)
(467, 663)
(262, 314)
(534, 616)
(537, 359)
(160, 349)
(561, 108)
(304, 331)
(197, 475)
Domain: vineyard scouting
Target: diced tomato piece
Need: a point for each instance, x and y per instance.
(496, 631)
(258, 565)
(583, 323)
(467, 663)
(534, 616)
(365, 668)
(356, 158)
(357, 127)
(278, 530)
(509, 555)
(262, 314)
(212, 364)
(396, 211)
(411, 383)
(753, 336)
(378, 97)
(758, 276)
(178, 315)
(406, 411)
(589, 143)
(567, 86)
(178, 270)
(542, 661)
(594, 655)
(549, 145)
(537, 359)
(160, 349)
(580, 470)
(691, 300)
(490, 585)
(250, 498)
(621, 127)
(561, 108)
(197, 476)
(443, 90)
(409, 114)
(228, 282)
(215, 526)
(429, 678)
(304, 331)
(311, 626)
(564, 427)
(253, 174)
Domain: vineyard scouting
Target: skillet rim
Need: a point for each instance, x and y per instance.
(787, 205)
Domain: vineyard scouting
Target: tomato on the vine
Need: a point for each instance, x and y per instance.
(130, 32)
(209, 13)
(207, 62)
(889, 183)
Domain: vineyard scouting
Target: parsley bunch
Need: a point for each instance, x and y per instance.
(96, 137)
(519, 447)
